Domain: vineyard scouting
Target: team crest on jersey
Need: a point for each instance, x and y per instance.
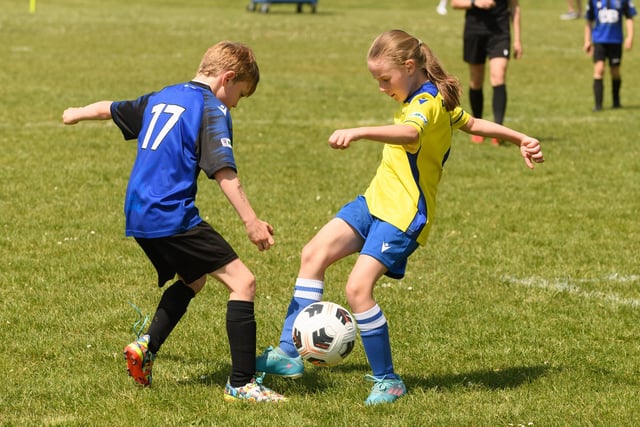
(223, 109)
(226, 142)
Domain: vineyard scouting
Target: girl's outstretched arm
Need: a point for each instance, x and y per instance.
(390, 134)
(529, 147)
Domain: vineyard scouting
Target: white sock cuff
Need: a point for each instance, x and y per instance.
(309, 289)
(370, 319)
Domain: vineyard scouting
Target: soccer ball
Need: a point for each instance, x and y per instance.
(324, 333)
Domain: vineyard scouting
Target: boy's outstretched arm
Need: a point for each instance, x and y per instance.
(529, 147)
(100, 110)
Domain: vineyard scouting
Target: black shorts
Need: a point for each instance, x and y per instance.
(477, 48)
(613, 51)
(190, 255)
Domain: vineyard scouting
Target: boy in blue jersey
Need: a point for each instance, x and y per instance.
(181, 130)
(603, 38)
(394, 216)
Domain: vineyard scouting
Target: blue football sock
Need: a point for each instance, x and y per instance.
(306, 292)
(374, 332)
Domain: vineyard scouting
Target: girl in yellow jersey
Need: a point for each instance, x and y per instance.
(393, 216)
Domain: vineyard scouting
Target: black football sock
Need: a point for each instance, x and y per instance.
(499, 103)
(172, 306)
(476, 99)
(615, 90)
(598, 89)
(241, 331)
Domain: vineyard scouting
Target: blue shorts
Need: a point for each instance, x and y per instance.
(382, 241)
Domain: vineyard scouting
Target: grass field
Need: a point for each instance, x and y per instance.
(523, 309)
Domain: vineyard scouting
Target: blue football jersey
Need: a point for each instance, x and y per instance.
(181, 130)
(607, 17)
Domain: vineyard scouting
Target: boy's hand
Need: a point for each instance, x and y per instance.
(588, 47)
(531, 151)
(70, 116)
(261, 234)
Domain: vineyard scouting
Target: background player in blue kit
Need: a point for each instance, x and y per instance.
(603, 38)
(487, 34)
(181, 130)
(394, 215)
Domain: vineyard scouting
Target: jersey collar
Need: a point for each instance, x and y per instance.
(427, 87)
(202, 85)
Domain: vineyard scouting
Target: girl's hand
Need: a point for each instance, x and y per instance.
(342, 138)
(531, 151)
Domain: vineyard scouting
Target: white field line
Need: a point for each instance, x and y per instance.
(570, 286)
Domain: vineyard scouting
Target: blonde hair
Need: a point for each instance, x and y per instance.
(231, 56)
(398, 47)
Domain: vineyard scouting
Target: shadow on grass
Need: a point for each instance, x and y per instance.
(316, 380)
(493, 379)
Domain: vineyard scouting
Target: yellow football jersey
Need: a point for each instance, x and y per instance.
(403, 191)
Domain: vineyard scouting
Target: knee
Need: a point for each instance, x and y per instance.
(351, 294)
(246, 287)
(198, 284)
(311, 256)
(356, 295)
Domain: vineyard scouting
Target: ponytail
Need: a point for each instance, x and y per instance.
(399, 46)
(447, 84)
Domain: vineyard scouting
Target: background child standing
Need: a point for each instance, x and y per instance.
(603, 38)
(487, 35)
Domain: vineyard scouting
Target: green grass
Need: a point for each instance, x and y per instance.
(522, 309)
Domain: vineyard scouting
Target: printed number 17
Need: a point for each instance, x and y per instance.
(174, 110)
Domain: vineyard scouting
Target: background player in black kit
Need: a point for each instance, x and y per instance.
(487, 35)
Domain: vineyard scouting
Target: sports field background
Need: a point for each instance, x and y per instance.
(523, 309)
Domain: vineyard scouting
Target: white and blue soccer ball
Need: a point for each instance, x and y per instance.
(324, 333)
